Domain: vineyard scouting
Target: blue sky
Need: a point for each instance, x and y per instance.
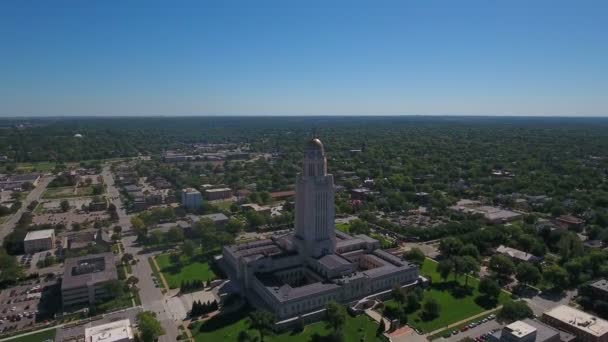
(304, 57)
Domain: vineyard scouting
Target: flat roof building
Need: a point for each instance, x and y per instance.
(191, 198)
(118, 331)
(584, 326)
(529, 330)
(84, 278)
(217, 194)
(39, 240)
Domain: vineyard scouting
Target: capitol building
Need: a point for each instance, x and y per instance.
(298, 273)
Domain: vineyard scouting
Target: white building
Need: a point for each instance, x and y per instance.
(119, 331)
(39, 240)
(191, 198)
(298, 273)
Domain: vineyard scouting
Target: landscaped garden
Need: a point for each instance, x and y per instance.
(188, 269)
(456, 301)
(227, 328)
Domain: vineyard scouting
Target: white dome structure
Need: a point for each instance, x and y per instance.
(77, 135)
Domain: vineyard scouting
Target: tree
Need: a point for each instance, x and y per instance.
(175, 234)
(114, 288)
(467, 265)
(127, 257)
(358, 226)
(234, 226)
(527, 274)
(336, 315)
(262, 321)
(117, 229)
(415, 255)
(132, 280)
(489, 287)
(175, 259)
(413, 302)
(188, 248)
(398, 294)
(570, 246)
(65, 206)
(381, 328)
(444, 268)
(513, 311)
(450, 246)
(149, 327)
(244, 336)
(470, 250)
(430, 309)
(502, 266)
(556, 276)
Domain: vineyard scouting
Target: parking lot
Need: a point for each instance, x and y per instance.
(478, 331)
(19, 305)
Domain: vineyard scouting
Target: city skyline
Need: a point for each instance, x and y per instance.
(274, 58)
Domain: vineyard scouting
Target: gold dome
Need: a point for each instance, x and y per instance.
(315, 144)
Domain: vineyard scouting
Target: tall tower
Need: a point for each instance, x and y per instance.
(315, 231)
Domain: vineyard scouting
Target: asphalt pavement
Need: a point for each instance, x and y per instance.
(151, 296)
(34, 195)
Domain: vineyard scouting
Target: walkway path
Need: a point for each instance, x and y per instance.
(160, 274)
(377, 317)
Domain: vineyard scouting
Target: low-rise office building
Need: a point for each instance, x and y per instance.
(586, 327)
(118, 331)
(84, 279)
(39, 240)
(217, 194)
(529, 330)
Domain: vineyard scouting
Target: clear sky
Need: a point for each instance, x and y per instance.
(291, 57)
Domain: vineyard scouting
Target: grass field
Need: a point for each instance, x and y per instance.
(228, 327)
(222, 205)
(60, 192)
(343, 227)
(84, 191)
(38, 167)
(189, 269)
(456, 302)
(37, 337)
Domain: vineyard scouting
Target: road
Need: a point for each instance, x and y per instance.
(475, 332)
(544, 302)
(34, 195)
(151, 297)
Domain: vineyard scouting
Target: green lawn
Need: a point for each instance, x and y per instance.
(189, 269)
(223, 205)
(60, 192)
(37, 337)
(228, 327)
(84, 191)
(343, 227)
(39, 167)
(455, 302)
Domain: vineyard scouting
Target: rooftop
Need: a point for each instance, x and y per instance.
(601, 284)
(88, 270)
(110, 332)
(579, 320)
(190, 191)
(520, 328)
(39, 234)
(218, 190)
